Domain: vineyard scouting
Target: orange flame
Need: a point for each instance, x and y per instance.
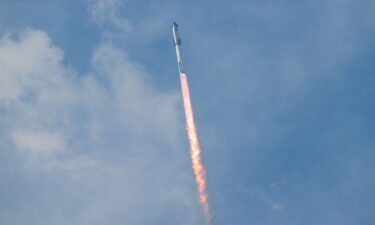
(195, 150)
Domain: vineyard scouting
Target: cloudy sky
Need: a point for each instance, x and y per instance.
(92, 127)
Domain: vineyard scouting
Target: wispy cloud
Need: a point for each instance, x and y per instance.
(107, 12)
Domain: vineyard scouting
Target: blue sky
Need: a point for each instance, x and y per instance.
(92, 127)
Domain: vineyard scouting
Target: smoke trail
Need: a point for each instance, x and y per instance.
(195, 151)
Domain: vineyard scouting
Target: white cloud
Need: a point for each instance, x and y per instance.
(107, 12)
(38, 142)
(52, 109)
(140, 106)
(36, 92)
(108, 139)
(23, 62)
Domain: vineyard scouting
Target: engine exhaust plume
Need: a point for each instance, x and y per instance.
(195, 150)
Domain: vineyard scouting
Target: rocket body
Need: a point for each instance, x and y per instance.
(177, 44)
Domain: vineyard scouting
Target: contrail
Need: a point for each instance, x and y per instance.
(195, 150)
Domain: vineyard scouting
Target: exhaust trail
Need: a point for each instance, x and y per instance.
(195, 150)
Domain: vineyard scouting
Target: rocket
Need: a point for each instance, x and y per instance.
(177, 44)
(195, 150)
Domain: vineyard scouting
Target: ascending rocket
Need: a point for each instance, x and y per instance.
(177, 44)
(195, 150)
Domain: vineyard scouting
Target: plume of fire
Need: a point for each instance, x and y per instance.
(195, 150)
